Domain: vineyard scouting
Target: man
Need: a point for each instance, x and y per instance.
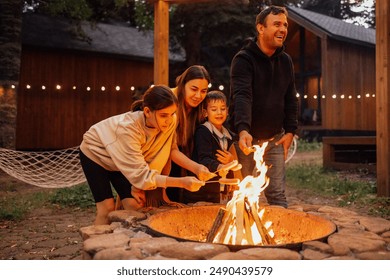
(263, 105)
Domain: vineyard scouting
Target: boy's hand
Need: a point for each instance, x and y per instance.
(224, 157)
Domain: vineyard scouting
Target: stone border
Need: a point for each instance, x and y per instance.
(357, 238)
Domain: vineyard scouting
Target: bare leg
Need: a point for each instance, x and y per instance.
(102, 209)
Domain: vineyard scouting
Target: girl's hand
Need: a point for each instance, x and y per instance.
(224, 157)
(203, 173)
(191, 183)
(138, 195)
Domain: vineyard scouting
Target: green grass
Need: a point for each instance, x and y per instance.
(305, 146)
(78, 196)
(16, 207)
(332, 184)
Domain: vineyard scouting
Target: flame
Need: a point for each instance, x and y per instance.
(243, 223)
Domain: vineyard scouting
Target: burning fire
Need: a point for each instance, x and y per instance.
(240, 223)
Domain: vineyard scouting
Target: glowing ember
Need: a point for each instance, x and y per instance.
(241, 222)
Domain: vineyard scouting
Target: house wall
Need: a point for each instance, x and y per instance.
(52, 118)
(348, 70)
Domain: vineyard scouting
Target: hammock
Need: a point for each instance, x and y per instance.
(46, 169)
(55, 169)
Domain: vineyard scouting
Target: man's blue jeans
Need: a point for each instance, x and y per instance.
(274, 159)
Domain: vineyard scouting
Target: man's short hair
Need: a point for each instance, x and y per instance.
(275, 10)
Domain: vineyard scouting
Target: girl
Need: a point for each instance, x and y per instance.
(131, 150)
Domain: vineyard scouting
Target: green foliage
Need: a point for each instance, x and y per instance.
(305, 146)
(15, 207)
(74, 9)
(144, 15)
(78, 196)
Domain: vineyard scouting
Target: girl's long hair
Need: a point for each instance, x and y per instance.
(188, 122)
(155, 98)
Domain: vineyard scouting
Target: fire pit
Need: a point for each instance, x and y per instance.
(291, 228)
(243, 222)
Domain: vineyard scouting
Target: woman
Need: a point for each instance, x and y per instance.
(131, 150)
(191, 89)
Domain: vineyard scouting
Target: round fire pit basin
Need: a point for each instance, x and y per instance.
(291, 227)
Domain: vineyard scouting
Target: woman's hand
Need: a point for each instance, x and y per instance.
(138, 195)
(191, 183)
(203, 173)
(223, 169)
(224, 157)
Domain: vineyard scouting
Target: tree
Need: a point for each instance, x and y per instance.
(360, 12)
(10, 50)
(10, 41)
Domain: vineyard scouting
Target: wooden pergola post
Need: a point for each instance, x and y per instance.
(161, 38)
(382, 97)
(161, 42)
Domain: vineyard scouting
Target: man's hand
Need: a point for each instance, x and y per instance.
(286, 141)
(245, 142)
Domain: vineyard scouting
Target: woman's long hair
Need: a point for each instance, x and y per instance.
(188, 122)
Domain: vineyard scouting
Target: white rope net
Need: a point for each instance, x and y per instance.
(46, 169)
(55, 169)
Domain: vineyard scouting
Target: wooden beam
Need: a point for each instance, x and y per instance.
(382, 97)
(161, 37)
(161, 42)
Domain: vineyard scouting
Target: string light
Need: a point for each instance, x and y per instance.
(221, 88)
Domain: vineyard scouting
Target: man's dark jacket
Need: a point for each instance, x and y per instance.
(262, 95)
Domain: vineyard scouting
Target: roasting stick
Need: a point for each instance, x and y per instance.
(225, 181)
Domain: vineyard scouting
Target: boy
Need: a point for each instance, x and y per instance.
(213, 147)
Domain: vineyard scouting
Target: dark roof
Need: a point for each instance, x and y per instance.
(48, 32)
(323, 25)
